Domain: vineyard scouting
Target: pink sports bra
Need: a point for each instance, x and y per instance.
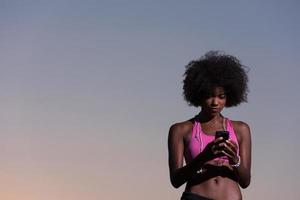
(199, 140)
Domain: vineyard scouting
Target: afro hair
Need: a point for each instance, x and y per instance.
(215, 69)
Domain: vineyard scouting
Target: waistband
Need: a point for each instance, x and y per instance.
(193, 196)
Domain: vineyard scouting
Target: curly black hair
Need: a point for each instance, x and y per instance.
(213, 69)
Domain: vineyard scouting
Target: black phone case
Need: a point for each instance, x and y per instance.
(223, 134)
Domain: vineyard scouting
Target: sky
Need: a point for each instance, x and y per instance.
(89, 89)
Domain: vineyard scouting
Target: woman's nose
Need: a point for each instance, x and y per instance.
(214, 102)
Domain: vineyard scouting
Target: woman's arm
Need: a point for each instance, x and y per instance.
(180, 174)
(244, 170)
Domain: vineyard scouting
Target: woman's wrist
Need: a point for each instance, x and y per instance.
(236, 163)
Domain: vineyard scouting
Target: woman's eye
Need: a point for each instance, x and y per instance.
(222, 96)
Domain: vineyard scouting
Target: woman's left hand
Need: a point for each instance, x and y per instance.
(229, 149)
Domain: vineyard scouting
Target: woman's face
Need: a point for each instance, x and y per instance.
(215, 102)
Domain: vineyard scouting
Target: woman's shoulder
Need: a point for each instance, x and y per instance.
(241, 128)
(181, 128)
(239, 124)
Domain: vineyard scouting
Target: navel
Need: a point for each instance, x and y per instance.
(217, 180)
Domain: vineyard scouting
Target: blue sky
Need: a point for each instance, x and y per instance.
(89, 90)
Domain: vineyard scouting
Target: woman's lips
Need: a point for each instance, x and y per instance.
(214, 109)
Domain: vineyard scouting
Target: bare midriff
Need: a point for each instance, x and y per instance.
(217, 188)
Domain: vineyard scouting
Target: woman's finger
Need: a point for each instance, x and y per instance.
(232, 144)
(229, 150)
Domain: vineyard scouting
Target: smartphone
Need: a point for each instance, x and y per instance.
(223, 134)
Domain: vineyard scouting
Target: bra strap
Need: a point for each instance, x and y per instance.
(224, 124)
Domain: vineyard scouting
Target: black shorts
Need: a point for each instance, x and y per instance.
(192, 196)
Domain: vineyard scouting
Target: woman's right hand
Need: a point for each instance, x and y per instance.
(213, 149)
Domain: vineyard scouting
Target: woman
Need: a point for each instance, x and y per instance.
(215, 166)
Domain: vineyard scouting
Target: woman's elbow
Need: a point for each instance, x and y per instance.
(245, 183)
(175, 182)
(175, 185)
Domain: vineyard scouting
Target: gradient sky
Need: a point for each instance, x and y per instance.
(89, 89)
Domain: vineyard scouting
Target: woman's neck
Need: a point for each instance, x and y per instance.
(203, 117)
